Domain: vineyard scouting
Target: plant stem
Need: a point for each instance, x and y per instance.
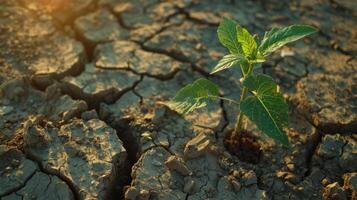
(240, 117)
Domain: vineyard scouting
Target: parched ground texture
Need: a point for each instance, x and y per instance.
(83, 85)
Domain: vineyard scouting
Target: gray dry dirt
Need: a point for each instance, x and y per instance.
(83, 84)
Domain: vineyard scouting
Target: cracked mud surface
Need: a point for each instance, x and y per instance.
(83, 83)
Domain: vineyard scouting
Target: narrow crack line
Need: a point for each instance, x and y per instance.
(93, 101)
(343, 148)
(124, 133)
(127, 69)
(133, 89)
(225, 119)
(140, 97)
(195, 20)
(329, 128)
(71, 186)
(137, 93)
(164, 77)
(121, 21)
(162, 146)
(122, 92)
(187, 195)
(16, 189)
(292, 74)
(76, 69)
(202, 71)
(88, 47)
(176, 13)
(349, 60)
(298, 112)
(88, 10)
(156, 146)
(176, 56)
(341, 8)
(49, 183)
(343, 129)
(200, 21)
(316, 140)
(161, 77)
(339, 49)
(162, 29)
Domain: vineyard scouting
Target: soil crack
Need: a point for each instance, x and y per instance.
(63, 178)
(19, 187)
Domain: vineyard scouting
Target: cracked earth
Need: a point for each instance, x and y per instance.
(83, 85)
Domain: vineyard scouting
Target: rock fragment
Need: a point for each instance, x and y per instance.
(201, 46)
(177, 163)
(131, 193)
(128, 55)
(32, 47)
(63, 10)
(15, 169)
(113, 113)
(99, 26)
(144, 195)
(348, 159)
(337, 154)
(43, 186)
(88, 154)
(230, 188)
(20, 178)
(250, 178)
(198, 146)
(334, 191)
(139, 13)
(19, 101)
(88, 115)
(331, 146)
(63, 107)
(326, 101)
(350, 184)
(153, 179)
(153, 171)
(98, 85)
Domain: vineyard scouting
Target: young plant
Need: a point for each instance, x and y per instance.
(265, 106)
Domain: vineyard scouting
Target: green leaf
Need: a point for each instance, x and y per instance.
(261, 84)
(227, 35)
(259, 58)
(247, 42)
(271, 32)
(228, 61)
(278, 37)
(267, 108)
(194, 96)
(244, 66)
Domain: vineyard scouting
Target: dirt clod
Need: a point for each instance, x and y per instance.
(177, 163)
(244, 146)
(334, 191)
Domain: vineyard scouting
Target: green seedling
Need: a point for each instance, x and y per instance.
(260, 99)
